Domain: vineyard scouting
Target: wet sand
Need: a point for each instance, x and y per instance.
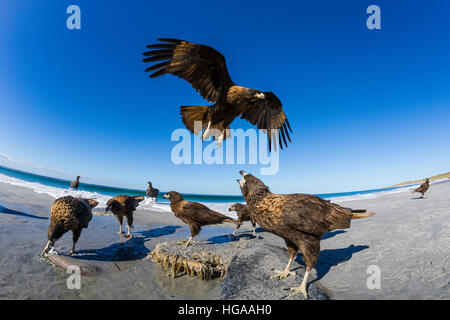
(407, 239)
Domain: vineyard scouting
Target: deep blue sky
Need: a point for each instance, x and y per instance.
(368, 108)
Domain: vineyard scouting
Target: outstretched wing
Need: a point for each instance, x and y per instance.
(202, 66)
(268, 114)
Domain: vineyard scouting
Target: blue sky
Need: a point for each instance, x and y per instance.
(368, 108)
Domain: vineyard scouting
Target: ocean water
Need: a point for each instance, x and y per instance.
(57, 188)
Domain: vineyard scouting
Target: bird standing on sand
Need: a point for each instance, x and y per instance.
(194, 214)
(68, 213)
(152, 192)
(300, 219)
(123, 206)
(243, 214)
(75, 184)
(205, 69)
(423, 187)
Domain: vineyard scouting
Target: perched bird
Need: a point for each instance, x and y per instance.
(243, 214)
(75, 184)
(68, 213)
(152, 192)
(300, 219)
(194, 214)
(205, 69)
(423, 187)
(123, 206)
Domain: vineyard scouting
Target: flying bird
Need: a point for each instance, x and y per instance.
(243, 214)
(75, 184)
(152, 192)
(423, 187)
(68, 213)
(300, 219)
(194, 214)
(123, 206)
(205, 69)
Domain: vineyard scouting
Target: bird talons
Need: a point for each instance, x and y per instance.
(281, 274)
(300, 289)
(183, 242)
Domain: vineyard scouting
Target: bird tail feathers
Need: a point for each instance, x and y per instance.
(191, 114)
(360, 214)
(230, 220)
(139, 198)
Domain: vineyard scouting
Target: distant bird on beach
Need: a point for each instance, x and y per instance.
(194, 214)
(205, 69)
(123, 206)
(152, 192)
(68, 213)
(300, 219)
(75, 184)
(243, 214)
(423, 187)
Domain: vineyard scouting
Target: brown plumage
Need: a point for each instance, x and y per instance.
(152, 192)
(300, 219)
(423, 187)
(205, 69)
(123, 206)
(194, 214)
(243, 214)
(75, 184)
(68, 213)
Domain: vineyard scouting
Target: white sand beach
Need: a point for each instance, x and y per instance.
(408, 239)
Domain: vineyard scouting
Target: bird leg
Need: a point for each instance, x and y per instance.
(120, 219)
(283, 274)
(238, 225)
(221, 138)
(76, 236)
(45, 249)
(185, 242)
(254, 232)
(129, 235)
(206, 132)
(301, 288)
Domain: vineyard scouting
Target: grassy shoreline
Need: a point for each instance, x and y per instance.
(436, 177)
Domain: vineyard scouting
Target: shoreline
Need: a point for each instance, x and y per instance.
(434, 178)
(407, 239)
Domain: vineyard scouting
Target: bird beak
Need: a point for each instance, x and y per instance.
(230, 209)
(243, 173)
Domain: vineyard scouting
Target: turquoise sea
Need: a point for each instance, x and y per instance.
(112, 191)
